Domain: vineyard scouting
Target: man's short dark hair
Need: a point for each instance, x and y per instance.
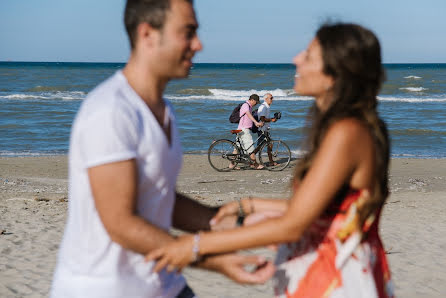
(152, 12)
(255, 97)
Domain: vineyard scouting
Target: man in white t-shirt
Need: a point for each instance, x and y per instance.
(263, 112)
(124, 159)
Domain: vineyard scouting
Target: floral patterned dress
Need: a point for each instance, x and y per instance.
(335, 257)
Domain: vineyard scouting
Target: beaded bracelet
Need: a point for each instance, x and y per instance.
(196, 248)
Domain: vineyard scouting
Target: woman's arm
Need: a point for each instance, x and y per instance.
(249, 206)
(338, 158)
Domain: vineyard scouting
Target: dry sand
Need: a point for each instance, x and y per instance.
(33, 206)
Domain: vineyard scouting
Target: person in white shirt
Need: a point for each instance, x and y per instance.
(263, 112)
(124, 159)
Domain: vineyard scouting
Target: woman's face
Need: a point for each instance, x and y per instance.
(310, 79)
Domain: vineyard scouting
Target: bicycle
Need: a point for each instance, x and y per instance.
(224, 155)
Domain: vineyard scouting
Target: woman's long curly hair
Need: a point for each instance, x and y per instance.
(352, 57)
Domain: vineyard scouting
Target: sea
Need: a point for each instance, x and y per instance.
(38, 102)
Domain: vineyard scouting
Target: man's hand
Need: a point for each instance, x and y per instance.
(273, 120)
(259, 124)
(227, 222)
(228, 210)
(233, 266)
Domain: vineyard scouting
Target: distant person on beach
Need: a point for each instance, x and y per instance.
(329, 227)
(124, 159)
(263, 112)
(245, 124)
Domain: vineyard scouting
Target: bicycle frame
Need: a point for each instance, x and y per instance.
(244, 152)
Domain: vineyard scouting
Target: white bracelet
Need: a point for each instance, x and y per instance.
(196, 248)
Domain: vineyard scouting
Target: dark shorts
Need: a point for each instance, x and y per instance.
(186, 292)
(261, 137)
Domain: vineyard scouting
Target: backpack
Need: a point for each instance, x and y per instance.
(235, 115)
(254, 128)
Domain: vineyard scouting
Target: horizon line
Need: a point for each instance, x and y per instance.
(102, 62)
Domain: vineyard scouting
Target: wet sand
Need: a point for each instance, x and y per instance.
(33, 206)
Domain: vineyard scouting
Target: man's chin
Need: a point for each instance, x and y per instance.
(181, 74)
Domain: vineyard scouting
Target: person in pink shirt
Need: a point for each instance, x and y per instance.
(245, 124)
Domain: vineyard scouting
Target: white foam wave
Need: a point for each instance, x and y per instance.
(66, 95)
(297, 153)
(247, 93)
(235, 98)
(412, 77)
(414, 89)
(240, 95)
(17, 154)
(301, 98)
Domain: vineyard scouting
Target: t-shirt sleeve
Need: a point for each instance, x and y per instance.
(261, 111)
(244, 109)
(108, 136)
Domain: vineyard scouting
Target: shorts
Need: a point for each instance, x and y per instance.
(186, 292)
(246, 140)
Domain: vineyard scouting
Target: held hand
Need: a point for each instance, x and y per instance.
(259, 124)
(229, 209)
(174, 256)
(261, 216)
(227, 222)
(233, 266)
(273, 120)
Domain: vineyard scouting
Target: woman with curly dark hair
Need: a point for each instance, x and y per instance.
(328, 229)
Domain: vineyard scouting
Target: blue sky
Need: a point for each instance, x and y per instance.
(239, 31)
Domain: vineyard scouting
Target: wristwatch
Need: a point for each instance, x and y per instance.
(241, 214)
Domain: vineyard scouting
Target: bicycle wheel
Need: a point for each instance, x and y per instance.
(223, 155)
(280, 155)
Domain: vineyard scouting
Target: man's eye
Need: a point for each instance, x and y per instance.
(190, 34)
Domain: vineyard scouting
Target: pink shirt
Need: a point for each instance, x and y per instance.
(245, 122)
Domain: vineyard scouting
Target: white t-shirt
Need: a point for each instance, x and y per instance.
(114, 124)
(264, 110)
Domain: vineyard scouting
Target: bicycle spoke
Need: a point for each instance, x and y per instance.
(275, 155)
(223, 155)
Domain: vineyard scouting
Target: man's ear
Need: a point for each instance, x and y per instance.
(146, 34)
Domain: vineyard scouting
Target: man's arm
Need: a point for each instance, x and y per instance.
(250, 116)
(264, 119)
(191, 216)
(114, 191)
(114, 188)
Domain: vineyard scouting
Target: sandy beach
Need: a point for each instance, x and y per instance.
(33, 207)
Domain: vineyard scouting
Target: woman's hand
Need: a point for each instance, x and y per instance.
(174, 256)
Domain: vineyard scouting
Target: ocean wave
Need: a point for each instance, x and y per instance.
(411, 99)
(67, 95)
(234, 95)
(297, 153)
(234, 98)
(30, 154)
(414, 89)
(192, 91)
(247, 93)
(48, 88)
(417, 132)
(413, 77)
